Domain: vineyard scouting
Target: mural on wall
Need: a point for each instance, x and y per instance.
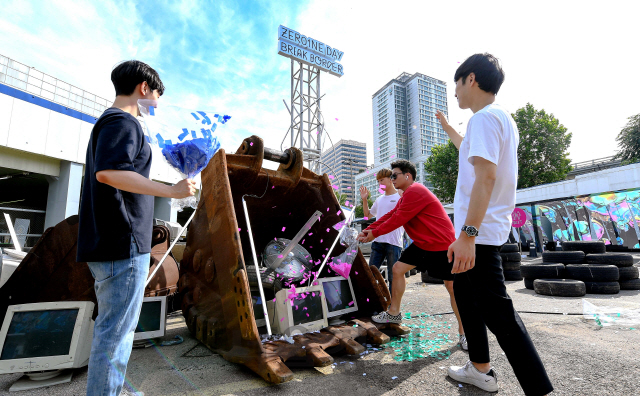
(609, 217)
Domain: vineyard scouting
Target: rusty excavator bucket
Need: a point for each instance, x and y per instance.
(214, 287)
(50, 272)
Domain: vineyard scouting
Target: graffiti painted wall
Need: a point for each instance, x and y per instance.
(610, 217)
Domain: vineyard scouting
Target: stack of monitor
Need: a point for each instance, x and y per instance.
(311, 307)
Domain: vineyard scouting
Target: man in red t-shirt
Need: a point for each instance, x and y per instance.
(426, 222)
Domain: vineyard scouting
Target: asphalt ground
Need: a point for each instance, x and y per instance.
(581, 357)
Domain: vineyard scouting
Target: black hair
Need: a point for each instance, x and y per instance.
(405, 166)
(487, 69)
(128, 74)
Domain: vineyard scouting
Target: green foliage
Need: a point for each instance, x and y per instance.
(629, 141)
(542, 153)
(442, 171)
(360, 210)
(342, 198)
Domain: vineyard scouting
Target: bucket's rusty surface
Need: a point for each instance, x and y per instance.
(50, 272)
(216, 297)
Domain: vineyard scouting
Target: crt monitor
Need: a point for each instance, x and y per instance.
(46, 336)
(338, 296)
(258, 309)
(153, 318)
(304, 312)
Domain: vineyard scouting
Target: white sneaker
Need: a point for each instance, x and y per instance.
(384, 317)
(468, 374)
(463, 342)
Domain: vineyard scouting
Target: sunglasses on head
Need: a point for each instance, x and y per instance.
(394, 176)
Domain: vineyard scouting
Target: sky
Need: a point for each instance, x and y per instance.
(576, 60)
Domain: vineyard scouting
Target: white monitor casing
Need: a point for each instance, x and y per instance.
(352, 308)
(282, 320)
(163, 320)
(80, 347)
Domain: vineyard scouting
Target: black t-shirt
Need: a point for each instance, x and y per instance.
(108, 216)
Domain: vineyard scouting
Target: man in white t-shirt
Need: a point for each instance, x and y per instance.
(485, 197)
(389, 245)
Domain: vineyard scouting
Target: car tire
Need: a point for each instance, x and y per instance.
(563, 257)
(617, 259)
(632, 284)
(587, 247)
(514, 257)
(510, 248)
(427, 279)
(602, 287)
(511, 265)
(528, 283)
(542, 271)
(512, 275)
(560, 287)
(628, 273)
(593, 273)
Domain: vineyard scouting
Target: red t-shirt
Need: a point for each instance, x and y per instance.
(423, 218)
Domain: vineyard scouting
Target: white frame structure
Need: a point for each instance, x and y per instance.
(341, 312)
(79, 350)
(145, 335)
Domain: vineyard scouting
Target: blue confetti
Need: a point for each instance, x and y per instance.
(160, 140)
(205, 119)
(195, 116)
(193, 134)
(152, 111)
(191, 156)
(184, 134)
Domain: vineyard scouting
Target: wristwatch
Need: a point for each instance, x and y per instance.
(471, 231)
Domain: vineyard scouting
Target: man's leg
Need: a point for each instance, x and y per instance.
(399, 269)
(449, 286)
(119, 288)
(377, 254)
(482, 298)
(393, 254)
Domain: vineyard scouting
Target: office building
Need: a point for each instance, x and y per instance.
(346, 158)
(405, 125)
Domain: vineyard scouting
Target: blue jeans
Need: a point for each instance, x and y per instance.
(380, 251)
(120, 288)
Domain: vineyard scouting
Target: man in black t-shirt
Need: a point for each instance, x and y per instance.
(116, 220)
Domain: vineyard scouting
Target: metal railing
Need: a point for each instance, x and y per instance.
(595, 165)
(30, 80)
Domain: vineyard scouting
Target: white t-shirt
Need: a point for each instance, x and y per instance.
(493, 135)
(383, 205)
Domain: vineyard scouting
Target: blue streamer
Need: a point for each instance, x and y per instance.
(184, 134)
(195, 116)
(205, 119)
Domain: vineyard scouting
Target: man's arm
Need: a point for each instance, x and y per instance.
(455, 137)
(364, 194)
(464, 249)
(135, 183)
(408, 207)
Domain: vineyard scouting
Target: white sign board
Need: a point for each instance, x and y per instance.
(307, 50)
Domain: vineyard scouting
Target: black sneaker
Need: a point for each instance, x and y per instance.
(384, 317)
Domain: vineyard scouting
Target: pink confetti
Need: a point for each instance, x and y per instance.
(367, 172)
(284, 228)
(251, 144)
(382, 186)
(311, 233)
(378, 148)
(307, 315)
(356, 272)
(366, 218)
(313, 294)
(393, 155)
(296, 307)
(381, 191)
(348, 188)
(281, 319)
(272, 187)
(280, 256)
(327, 209)
(304, 309)
(334, 187)
(347, 203)
(331, 177)
(303, 240)
(239, 229)
(273, 207)
(321, 241)
(351, 303)
(336, 119)
(310, 247)
(274, 300)
(327, 230)
(338, 214)
(367, 300)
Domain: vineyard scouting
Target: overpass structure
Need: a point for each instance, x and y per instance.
(45, 124)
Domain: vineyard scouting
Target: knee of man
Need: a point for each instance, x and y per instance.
(398, 270)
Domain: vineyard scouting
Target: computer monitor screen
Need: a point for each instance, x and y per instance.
(150, 317)
(39, 334)
(258, 309)
(307, 309)
(339, 296)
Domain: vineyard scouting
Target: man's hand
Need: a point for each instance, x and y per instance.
(463, 251)
(364, 193)
(185, 188)
(443, 119)
(366, 236)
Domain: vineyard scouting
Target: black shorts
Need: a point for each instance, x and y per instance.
(436, 264)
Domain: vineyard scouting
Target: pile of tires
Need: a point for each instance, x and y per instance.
(511, 260)
(583, 267)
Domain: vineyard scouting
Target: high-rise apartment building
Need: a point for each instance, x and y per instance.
(405, 125)
(346, 158)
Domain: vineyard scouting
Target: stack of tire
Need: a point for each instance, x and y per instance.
(582, 267)
(511, 260)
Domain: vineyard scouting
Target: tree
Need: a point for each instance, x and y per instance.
(342, 198)
(542, 152)
(360, 210)
(629, 141)
(442, 171)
